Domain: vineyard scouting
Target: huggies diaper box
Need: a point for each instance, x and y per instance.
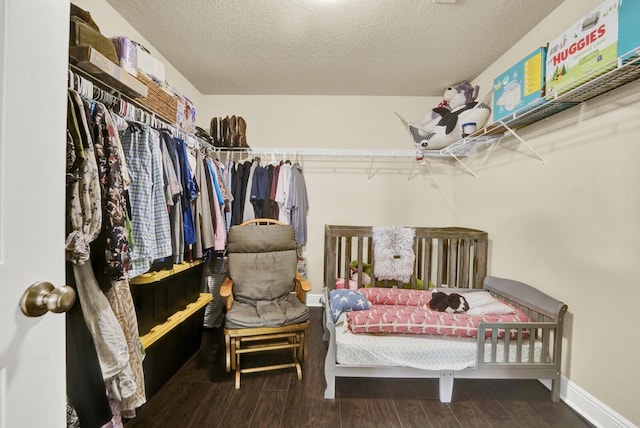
(591, 46)
(520, 88)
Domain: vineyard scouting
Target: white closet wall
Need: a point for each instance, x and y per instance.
(570, 226)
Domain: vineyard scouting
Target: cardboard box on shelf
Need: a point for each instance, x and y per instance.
(521, 87)
(127, 54)
(149, 65)
(586, 50)
(628, 23)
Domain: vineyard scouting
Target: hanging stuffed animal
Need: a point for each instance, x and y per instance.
(444, 124)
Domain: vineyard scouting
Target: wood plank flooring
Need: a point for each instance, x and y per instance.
(202, 394)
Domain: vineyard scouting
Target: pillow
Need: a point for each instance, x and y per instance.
(482, 303)
(345, 301)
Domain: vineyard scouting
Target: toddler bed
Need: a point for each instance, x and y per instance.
(526, 344)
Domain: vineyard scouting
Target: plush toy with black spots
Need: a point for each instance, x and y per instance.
(452, 303)
(443, 125)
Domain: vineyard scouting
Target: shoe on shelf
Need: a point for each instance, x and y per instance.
(213, 131)
(242, 127)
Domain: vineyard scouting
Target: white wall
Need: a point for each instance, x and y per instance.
(570, 226)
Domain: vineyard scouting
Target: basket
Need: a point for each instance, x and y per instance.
(158, 100)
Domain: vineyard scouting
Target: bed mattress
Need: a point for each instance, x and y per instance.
(422, 352)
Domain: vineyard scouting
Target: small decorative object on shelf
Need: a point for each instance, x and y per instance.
(443, 125)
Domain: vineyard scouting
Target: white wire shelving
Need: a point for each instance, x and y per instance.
(623, 70)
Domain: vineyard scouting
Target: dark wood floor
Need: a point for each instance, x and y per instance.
(202, 394)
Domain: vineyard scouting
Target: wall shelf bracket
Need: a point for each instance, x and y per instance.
(519, 138)
(463, 164)
(370, 174)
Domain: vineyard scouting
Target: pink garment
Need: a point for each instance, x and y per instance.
(220, 238)
(353, 285)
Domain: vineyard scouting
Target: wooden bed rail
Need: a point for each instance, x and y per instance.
(453, 256)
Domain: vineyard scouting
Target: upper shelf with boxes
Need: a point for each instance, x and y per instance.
(129, 68)
(598, 53)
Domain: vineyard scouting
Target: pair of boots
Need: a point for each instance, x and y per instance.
(229, 132)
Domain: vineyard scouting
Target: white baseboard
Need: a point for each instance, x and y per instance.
(589, 407)
(586, 405)
(313, 300)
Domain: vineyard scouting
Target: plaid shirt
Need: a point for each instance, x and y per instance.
(149, 215)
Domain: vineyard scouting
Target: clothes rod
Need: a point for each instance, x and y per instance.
(363, 153)
(116, 92)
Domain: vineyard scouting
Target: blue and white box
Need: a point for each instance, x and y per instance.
(521, 87)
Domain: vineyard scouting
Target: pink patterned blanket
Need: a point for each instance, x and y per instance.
(407, 311)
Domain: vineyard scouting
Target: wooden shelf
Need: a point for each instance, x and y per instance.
(93, 62)
(174, 320)
(149, 277)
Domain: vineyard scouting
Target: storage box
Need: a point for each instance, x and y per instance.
(521, 87)
(149, 65)
(93, 62)
(127, 54)
(159, 100)
(83, 34)
(628, 24)
(586, 50)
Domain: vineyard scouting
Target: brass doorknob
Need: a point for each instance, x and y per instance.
(42, 297)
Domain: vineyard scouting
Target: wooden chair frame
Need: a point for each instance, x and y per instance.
(243, 341)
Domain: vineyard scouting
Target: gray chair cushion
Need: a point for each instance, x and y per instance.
(262, 261)
(273, 313)
(261, 238)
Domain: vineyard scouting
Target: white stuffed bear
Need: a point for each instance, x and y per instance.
(443, 126)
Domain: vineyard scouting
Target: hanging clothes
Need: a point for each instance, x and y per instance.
(238, 189)
(220, 238)
(110, 247)
(248, 212)
(202, 210)
(298, 203)
(113, 262)
(111, 345)
(267, 209)
(84, 212)
(85, 384)
(175, 211)
(282, 193)
(188, 194)
(229, 176)
(258, 189)
(149, 216)
(121, 301)
(272, 193)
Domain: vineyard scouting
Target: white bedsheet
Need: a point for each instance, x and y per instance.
(422, 352)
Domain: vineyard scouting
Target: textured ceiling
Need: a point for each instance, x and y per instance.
(331, 47)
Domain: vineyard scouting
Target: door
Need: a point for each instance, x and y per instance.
(33, 70)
